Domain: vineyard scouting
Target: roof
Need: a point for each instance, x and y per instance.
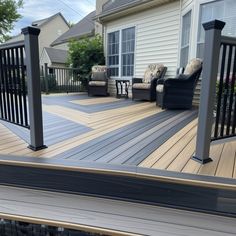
(40, 23)
(115, 9)
(57, 55)
(85, 27)
(113, 4)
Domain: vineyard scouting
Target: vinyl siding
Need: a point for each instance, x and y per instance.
(186, 4)
(157, 37)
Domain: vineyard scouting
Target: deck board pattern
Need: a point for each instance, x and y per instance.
(120, 132)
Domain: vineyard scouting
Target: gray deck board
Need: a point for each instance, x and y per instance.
(97, 148)
(112, 214)
(137, 144)
(133, 143)
(56, 129)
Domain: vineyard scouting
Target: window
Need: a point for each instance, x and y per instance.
(128, 41)
(224, 10)
(121, 52)
(113, 53)
(186, 25)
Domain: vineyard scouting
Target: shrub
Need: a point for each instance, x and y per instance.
(85, 53)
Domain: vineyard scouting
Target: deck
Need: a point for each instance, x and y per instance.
(122, 132)
(108, 217)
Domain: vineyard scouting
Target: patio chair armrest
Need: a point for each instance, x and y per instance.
(137, 80)
(160, 81)
(178, 83)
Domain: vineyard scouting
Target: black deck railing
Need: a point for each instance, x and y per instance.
(225, 120)
(13, 89)
(60, 79)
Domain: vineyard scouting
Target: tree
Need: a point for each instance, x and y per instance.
(85, 53)
(8, 15)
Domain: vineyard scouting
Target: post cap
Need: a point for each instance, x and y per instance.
(215, 24)
(30, 30)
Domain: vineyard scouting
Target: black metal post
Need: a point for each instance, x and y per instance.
(34, 87)
(209, 75)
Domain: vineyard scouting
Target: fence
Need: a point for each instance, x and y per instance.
(13, 104)
(60, 79)
(20, 93)
(224, 126)
(219, 68)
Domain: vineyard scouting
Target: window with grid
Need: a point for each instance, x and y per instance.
(186, 26)
(113, 53)
(224, 10)
(127, 54)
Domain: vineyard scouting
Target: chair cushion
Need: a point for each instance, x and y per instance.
(153, 71)
(142, 86)
(99, 76)
(97, 83)
(99, 68)
(192, 66)
(159, 88)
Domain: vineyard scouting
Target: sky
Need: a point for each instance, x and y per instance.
(72, 10)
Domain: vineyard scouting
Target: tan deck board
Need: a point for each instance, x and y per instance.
(181, 159)
(94, 101)
(227, 161)
(171, 154)
(156, 155)
(211, 167)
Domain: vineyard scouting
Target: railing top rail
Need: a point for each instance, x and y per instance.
(12, 45)
(228, 40)
(65, 68)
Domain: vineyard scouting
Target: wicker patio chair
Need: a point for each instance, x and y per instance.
(98, 82)
(145, 88)
(177, 93)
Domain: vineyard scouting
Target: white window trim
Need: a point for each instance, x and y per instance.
(196, 16)
(120, 49)
(184, 12)
(190, 35)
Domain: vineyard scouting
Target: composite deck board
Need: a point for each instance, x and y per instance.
(118, 148)
(56, 129)
(125, 134)
(120, 216)
(139, 156)
(66, 102)
(226, 165)
(120, 131)
(115, 138)
(126, 151)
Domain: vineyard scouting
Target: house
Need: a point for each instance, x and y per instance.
(84, 28)
(54, 57)
(137, 33)
(51, 28)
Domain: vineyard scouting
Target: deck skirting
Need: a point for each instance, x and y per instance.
(135, 184)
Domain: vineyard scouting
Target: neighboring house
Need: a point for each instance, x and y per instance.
(54, 57)
(51, 28)
(84, 28)
(137, 32)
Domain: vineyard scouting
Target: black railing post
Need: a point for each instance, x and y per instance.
(46, 77)
(34, 87)
(208, 88)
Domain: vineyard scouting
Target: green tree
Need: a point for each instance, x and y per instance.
(8, 15)
(85, 53)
